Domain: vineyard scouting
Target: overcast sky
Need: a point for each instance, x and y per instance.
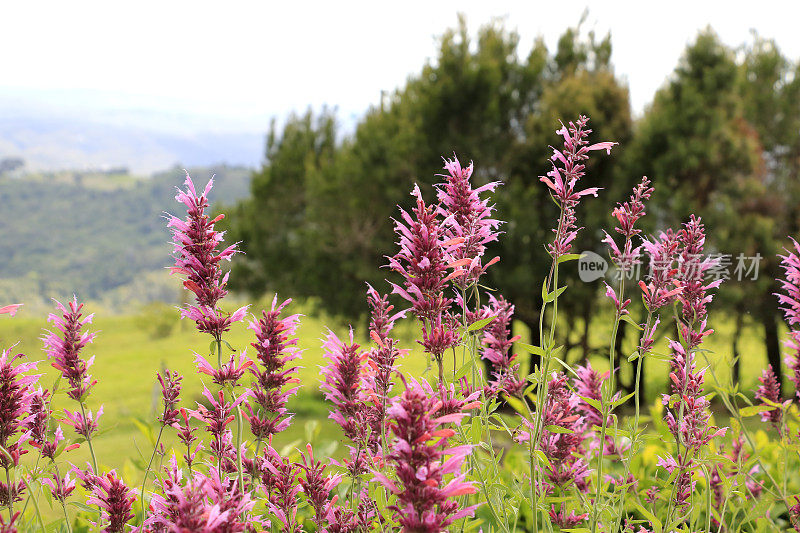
(244, 61)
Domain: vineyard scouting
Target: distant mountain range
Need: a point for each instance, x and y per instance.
(82, 130)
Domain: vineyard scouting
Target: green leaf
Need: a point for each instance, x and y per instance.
(480, 324)
(591, 401)
(656, 523)
(566, 366)
(517, 405)
(557, 429)
(631, 321)
(568, 257)
(622, 400)
(535, 350)
(231, 348)
(551, 296)
(755, 409)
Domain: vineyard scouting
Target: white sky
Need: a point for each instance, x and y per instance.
(244, 61)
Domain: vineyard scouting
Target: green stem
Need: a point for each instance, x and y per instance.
(61, 500)
(147, 471)
(606, 397)
(89, 440)
(35, 503)
(10, 497)
(239, 426)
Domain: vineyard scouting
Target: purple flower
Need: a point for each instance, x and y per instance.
(562, 448)
(16, 397)
(619, 306)
(197, 257)
(568, 169)
(10, 310)
(438, 335)
(170, 395)
(663, 285)
(317, 486)
(648, 338)
(497, 342)
(381, 319)
(64, 349)
(627, 214)
(115, 500)
(84, 425)
(381, 367)
(60, 488)
(423, 258)
(425, 499)
(343, 384)
(217, 416)
(228, 373)
(563, 520)
(280, 481)
(791, 308)
(276, 347)
(186, 435)
(472, 222)
(588, 384)
(687, 418)
(769, 393)
(202, 504)
(694, 294)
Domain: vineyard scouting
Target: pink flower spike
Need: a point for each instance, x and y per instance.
(10, 309)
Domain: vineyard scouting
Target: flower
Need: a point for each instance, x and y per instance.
(562, 180)
(317, 486)
(84, 425)
(627, 214)
(170, 395)
(185, 433)
(343, 385)
(198, 258)
(276, 347)
(497, 342)
(425, 500)
(472, 222)
(16, 398)
(280, 480)
(381, 367)
(769, 393)
(563, 520)
(228, 373)
(694, 296)
(790, 303)
(60, 488)
(10, 310)
(64, 349)
(422, 259)
(663, 284)
(687, 419)
(217, 417)
(115, 500)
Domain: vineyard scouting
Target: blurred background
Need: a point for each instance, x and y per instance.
(317, 119)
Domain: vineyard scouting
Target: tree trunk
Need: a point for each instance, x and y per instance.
(770, 320)
(737, 334)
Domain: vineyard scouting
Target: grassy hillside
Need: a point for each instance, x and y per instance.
(130, 348)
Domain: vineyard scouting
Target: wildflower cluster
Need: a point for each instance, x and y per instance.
(492, 443)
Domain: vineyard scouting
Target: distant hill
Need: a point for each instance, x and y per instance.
(95, 234)
(53, 143)
(81, 128)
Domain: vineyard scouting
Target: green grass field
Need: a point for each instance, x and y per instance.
(128, 356)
